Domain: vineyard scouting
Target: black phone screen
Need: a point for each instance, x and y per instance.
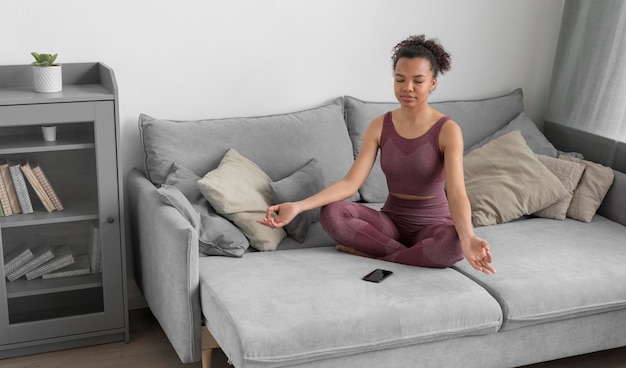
(377, 275)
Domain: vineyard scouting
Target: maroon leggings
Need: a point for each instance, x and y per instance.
(412, 232)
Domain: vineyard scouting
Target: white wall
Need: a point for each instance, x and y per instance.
(206, 58)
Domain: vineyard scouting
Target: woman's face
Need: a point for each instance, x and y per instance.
(413, 81)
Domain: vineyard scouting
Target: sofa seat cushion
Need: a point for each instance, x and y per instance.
(295, 306)
(550, 270)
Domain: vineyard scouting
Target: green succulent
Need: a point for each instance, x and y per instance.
(44, 59)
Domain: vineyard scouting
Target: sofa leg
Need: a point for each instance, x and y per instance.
(208, 344)
(207, 356)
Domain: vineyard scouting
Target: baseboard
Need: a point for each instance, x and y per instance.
(135, 297)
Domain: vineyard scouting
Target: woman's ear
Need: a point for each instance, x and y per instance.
(434, 85)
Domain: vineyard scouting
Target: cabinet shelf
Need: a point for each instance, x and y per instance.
(22, 287)
(74, 211)
(34, 143)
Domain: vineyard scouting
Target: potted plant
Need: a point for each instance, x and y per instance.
(47, 75)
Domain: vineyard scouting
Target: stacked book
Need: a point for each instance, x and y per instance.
(79, 267)
(14, 195)
(50, 263)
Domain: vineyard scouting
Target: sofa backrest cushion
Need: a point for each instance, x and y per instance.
(279, 144)
(478, 119)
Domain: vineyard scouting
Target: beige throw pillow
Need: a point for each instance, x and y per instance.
(569, 173)
(591, 190)
(505, 180)
(239, 190)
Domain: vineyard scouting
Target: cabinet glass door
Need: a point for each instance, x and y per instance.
(77, 166)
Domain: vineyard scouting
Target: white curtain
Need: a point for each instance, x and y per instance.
(588, 90)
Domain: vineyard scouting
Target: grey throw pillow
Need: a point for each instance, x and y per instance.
(537, 142)
(297, 186)
(173, 197)
(217, 236)
(186, 181)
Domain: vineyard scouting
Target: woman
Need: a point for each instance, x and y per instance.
(420, 224)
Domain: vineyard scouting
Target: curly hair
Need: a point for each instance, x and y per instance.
(419, 47)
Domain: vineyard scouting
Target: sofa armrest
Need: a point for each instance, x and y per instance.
(165, 247)
(615, 200)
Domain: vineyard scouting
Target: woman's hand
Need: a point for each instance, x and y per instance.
(279, 215)
(476, 251)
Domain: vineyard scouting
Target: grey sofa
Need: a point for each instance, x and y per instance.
(560, 289)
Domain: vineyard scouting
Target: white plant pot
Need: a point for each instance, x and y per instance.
(49, 133)
(48, 79)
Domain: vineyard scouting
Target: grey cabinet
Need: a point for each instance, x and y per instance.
(82, 166)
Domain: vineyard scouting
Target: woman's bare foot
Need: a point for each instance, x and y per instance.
(353, 251)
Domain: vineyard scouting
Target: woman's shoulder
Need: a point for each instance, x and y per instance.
(450, 134)
(375, 128)
(448, 124)
(378, 122)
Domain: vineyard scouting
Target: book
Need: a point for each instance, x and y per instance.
(20, 187)
(5, 204)
(62, 257)
(93, 247)
(37, 187)
(78, 268)
(8, 183)
(41, 255)
(16, 259)
(45, 183)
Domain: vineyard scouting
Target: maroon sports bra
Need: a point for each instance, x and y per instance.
(412, 166)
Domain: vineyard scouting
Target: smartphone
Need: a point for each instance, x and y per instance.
(377, 275)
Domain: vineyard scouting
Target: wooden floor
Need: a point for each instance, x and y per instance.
(149, 348)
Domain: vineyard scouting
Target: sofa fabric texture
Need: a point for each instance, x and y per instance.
(559, 270)
(318, 133)
(559, 290)
(408, 308)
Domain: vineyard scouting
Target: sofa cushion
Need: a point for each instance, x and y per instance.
(477, 118)
(171, 196)
(326, 310)
(505, 180)
(297, 186)
(569, 173)
(532, 135)
(216, 235)
(593, 186)
(187, 182)
(554, 270)
(279, 144)
(239, 190)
